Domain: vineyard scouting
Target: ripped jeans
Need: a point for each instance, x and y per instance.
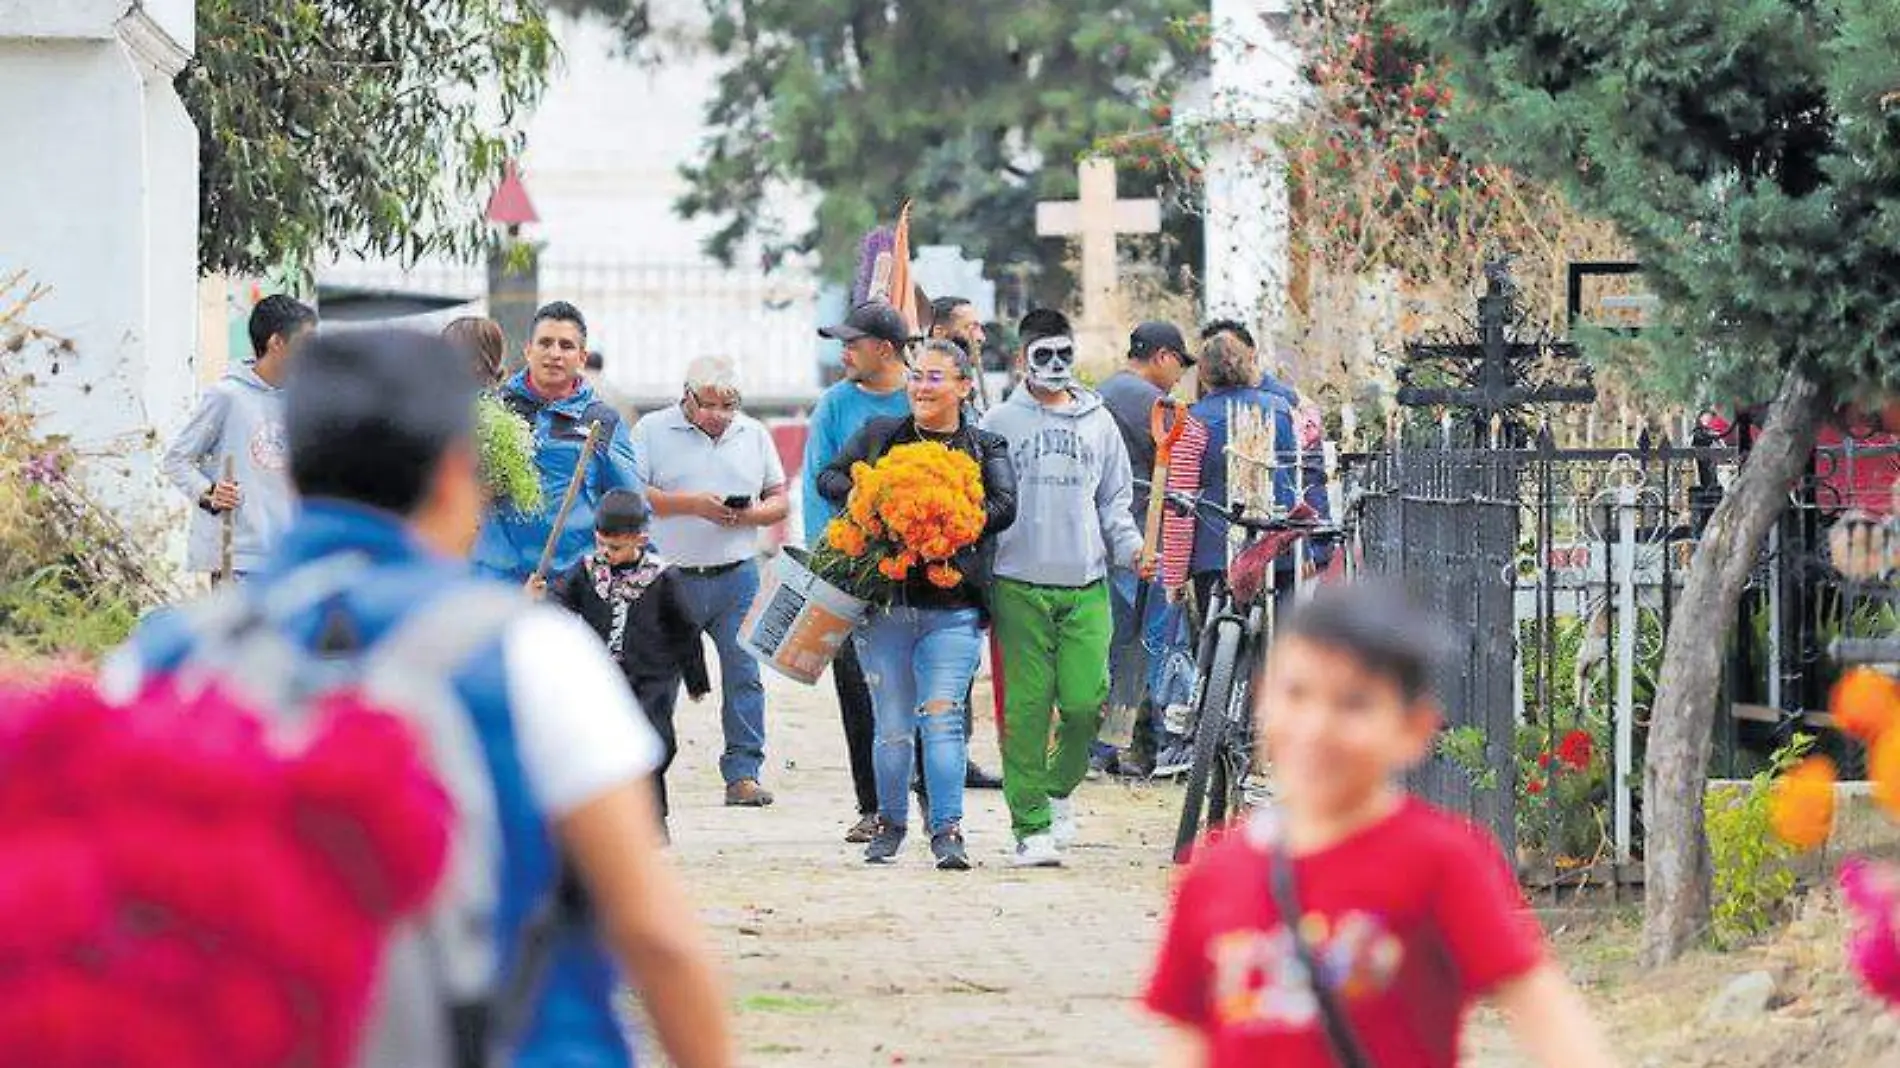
(918, 664)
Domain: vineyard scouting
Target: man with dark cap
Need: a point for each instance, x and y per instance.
(551, 774)
(1157, 361)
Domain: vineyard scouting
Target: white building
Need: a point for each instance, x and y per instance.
(99, 205)
(605, 148)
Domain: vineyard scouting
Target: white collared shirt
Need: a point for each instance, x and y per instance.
(674, 455)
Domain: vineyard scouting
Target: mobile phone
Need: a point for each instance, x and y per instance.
(738, 504)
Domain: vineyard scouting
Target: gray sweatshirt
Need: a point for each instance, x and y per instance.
(1073, 491)
(241, 417)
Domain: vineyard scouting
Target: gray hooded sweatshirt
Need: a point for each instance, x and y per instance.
(241, 417)
(1073, 491)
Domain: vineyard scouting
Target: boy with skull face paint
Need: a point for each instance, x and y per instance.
(1050, 605)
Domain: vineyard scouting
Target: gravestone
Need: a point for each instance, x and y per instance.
(1096, 219)
(99, 204)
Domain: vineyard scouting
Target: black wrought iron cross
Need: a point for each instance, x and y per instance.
(1493, 375)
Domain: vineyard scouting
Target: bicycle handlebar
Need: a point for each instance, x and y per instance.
(1235, 512)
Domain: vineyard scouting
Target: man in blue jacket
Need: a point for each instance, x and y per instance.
(551, 394)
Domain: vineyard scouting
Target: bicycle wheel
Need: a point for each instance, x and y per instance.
(1216, 703)
(1233, 759)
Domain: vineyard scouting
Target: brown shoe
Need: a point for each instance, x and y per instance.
(863, 830)
(747, 793)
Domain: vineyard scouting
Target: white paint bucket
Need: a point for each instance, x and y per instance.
(798, 621)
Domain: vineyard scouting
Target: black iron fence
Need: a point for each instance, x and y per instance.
(1555, 574)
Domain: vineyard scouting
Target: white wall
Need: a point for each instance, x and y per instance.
(1254, 84)
(98, 203)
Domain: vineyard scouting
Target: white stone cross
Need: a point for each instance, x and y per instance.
(1097, 218)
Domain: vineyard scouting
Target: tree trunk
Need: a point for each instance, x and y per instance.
(1676, 856)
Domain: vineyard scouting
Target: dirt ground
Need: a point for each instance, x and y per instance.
(831, 962)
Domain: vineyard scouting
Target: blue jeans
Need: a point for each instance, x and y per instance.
(718, 604)
(918, 664)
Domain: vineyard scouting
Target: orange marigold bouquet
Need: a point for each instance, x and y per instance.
(917, 507)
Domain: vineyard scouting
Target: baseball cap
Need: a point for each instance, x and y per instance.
(873, 318)
(1150, 338)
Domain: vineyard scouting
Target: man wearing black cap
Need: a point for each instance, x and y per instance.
(874, 337)
(1157, 361)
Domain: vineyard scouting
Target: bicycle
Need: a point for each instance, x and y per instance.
(1236, 624)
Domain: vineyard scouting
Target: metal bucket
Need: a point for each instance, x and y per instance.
(798, 621)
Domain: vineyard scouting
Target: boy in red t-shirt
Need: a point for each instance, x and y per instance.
(1410, 913)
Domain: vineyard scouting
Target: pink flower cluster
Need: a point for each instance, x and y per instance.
(1872, 892)
(179, 889)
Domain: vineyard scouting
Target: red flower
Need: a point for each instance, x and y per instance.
(1534, 787)
(1543, 759)
(1576, 750)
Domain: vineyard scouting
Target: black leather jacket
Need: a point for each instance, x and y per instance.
(991, 451)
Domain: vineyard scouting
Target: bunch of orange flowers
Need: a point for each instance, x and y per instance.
(918, 506)
(1865, 704)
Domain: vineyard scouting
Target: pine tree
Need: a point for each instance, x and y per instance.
(1750, 152)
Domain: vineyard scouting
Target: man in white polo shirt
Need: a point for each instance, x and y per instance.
(714, 478)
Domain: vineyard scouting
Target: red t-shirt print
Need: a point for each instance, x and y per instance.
(1411, 919)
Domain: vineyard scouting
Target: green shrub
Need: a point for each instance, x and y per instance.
(1754, 884)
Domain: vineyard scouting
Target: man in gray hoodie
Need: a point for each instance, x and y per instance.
(241, 419)
(1050, 606)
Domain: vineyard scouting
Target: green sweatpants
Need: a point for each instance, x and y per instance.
(1054, 643)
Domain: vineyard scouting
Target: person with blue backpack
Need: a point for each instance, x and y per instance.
(556, 871)
(551, 394)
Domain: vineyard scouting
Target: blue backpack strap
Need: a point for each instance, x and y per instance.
(236, 638)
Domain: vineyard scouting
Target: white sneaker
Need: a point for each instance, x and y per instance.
(1036, 851)
(1062, 827)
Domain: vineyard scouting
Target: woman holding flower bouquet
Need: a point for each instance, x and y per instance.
(922, 500)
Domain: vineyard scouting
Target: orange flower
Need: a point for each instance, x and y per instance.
(943, 576)
(896, 568)
(846, 537)
(1801, 803)
(1865, 703)
(1883, 767)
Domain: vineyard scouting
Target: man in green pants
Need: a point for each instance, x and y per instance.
(1050, 605)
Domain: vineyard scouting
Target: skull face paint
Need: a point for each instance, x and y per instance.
(1051, 363)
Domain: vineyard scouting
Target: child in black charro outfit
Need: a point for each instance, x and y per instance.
(631, 597)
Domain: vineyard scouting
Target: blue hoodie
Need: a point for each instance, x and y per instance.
(510, 544)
